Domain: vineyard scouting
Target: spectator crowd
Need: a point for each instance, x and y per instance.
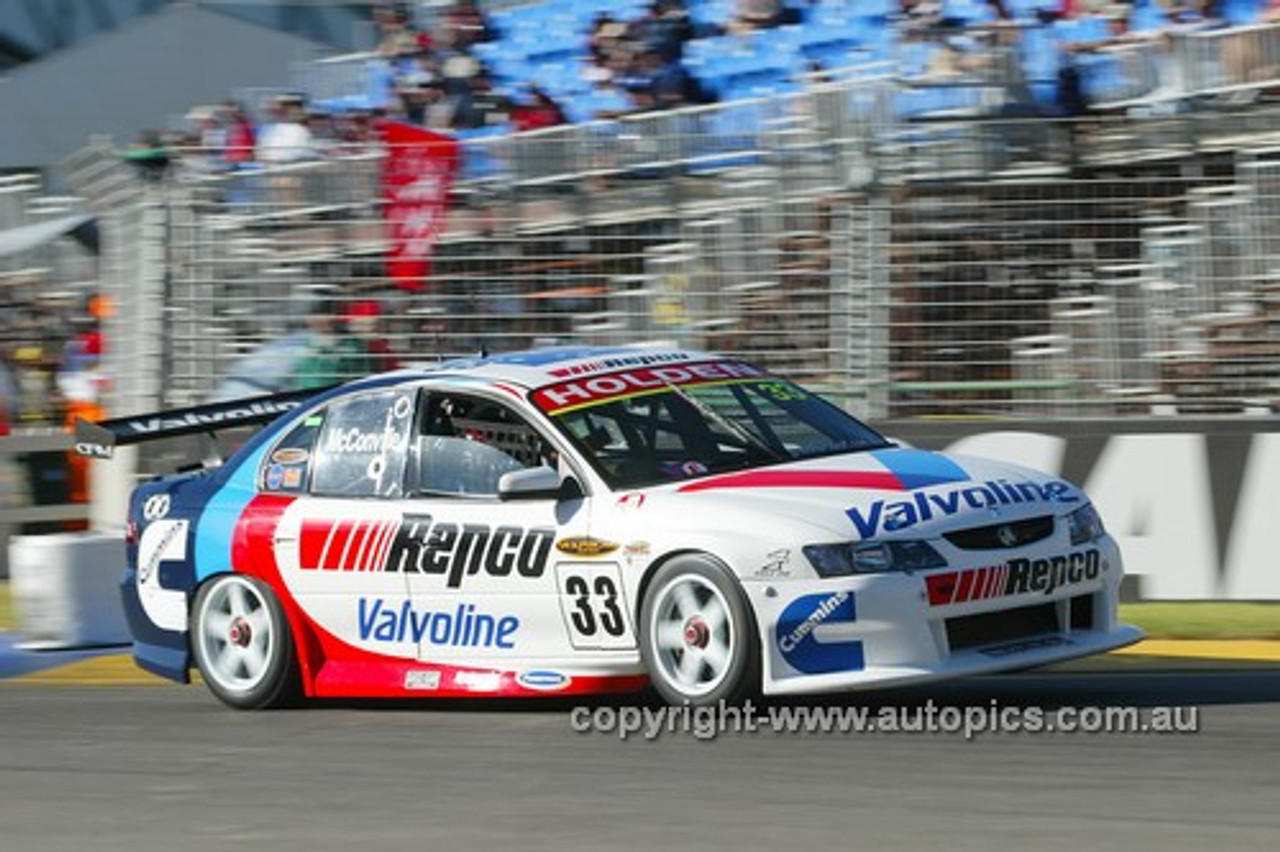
(440, 74)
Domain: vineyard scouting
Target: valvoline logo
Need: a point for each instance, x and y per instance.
(543, 680)
(920, 507)
(800, 643)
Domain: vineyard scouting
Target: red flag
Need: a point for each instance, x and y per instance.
(416, 178)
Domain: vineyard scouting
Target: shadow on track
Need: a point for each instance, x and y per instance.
(1047, 689)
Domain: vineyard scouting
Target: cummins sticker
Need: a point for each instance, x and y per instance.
(162, 541)
(800, 634)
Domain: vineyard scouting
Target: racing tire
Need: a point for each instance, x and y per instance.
(242, 644)
(698, 639)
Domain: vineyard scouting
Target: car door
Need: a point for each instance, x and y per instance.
(345, 464)
(485, 573)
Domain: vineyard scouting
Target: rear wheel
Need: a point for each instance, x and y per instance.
(242, 644)
(698, 638)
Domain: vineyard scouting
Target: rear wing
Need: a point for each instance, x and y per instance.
(99, 440)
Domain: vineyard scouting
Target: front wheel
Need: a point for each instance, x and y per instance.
(242, 644)
(698, 639)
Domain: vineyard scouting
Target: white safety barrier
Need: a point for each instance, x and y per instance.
(65, 589)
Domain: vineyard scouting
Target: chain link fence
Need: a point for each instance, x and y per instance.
(958, 265)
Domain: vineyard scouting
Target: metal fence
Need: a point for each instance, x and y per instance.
(957, 266)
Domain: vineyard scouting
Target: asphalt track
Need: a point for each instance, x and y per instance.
(141, 767)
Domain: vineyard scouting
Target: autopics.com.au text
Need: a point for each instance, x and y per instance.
(969, 721)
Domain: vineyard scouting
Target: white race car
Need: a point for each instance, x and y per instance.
(572, 521)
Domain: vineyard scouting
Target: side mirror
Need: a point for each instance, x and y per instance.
(531, 483)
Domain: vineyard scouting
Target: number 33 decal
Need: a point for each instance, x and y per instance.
(594, 607)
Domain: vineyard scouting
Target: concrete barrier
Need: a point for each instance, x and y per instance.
(65, 589)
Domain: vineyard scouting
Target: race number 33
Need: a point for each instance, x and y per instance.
(594, 607)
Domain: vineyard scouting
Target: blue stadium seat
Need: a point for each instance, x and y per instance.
(1101, 77)
(1040, 58)
(1149, 16)
(478, 163)
(1239, 12)
(968, 11)
(914, 57)
(1090, 28)
(1024, 10)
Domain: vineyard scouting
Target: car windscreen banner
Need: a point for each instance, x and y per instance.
(416, 178)
(593, 390)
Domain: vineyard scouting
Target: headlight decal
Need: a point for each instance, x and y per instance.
(849, 558)
(1085, 525)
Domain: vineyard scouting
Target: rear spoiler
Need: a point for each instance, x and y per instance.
(99, 440)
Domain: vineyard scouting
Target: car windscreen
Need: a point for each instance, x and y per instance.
(651, 425)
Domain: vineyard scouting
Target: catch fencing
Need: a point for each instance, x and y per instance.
(959, 264)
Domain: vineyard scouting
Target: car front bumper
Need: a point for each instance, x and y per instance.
(873, 631)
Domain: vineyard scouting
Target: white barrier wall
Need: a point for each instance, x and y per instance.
(66, 589)
(1195, 505)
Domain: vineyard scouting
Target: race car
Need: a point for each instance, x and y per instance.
(586, 520)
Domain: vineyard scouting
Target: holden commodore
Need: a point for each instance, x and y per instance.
(574, 521)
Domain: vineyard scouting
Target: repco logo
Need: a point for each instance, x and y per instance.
(1046, 575)
(1015, 577)
(424, 546)
(418, 544)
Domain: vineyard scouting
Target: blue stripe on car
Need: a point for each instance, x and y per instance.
(216, 529)
(919, 468)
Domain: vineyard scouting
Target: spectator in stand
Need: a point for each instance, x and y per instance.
(239, 139)
(914, 16)
(356, 133)
(202, 147)
(150, 155)
(414, 98)
(333, 355)
(482, 105)
(396, 34)
(324, 136)
(1203, 14)
(439, 106)
(604, 42)
(669, 83)
(363, 321)
(540, 111)
(663, 29)
(750, 15)
(285, 138)
(456, 70)
(469, 24)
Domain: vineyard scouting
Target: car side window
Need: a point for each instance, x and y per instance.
(286, 470)
(465, 444)
(364, 444)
